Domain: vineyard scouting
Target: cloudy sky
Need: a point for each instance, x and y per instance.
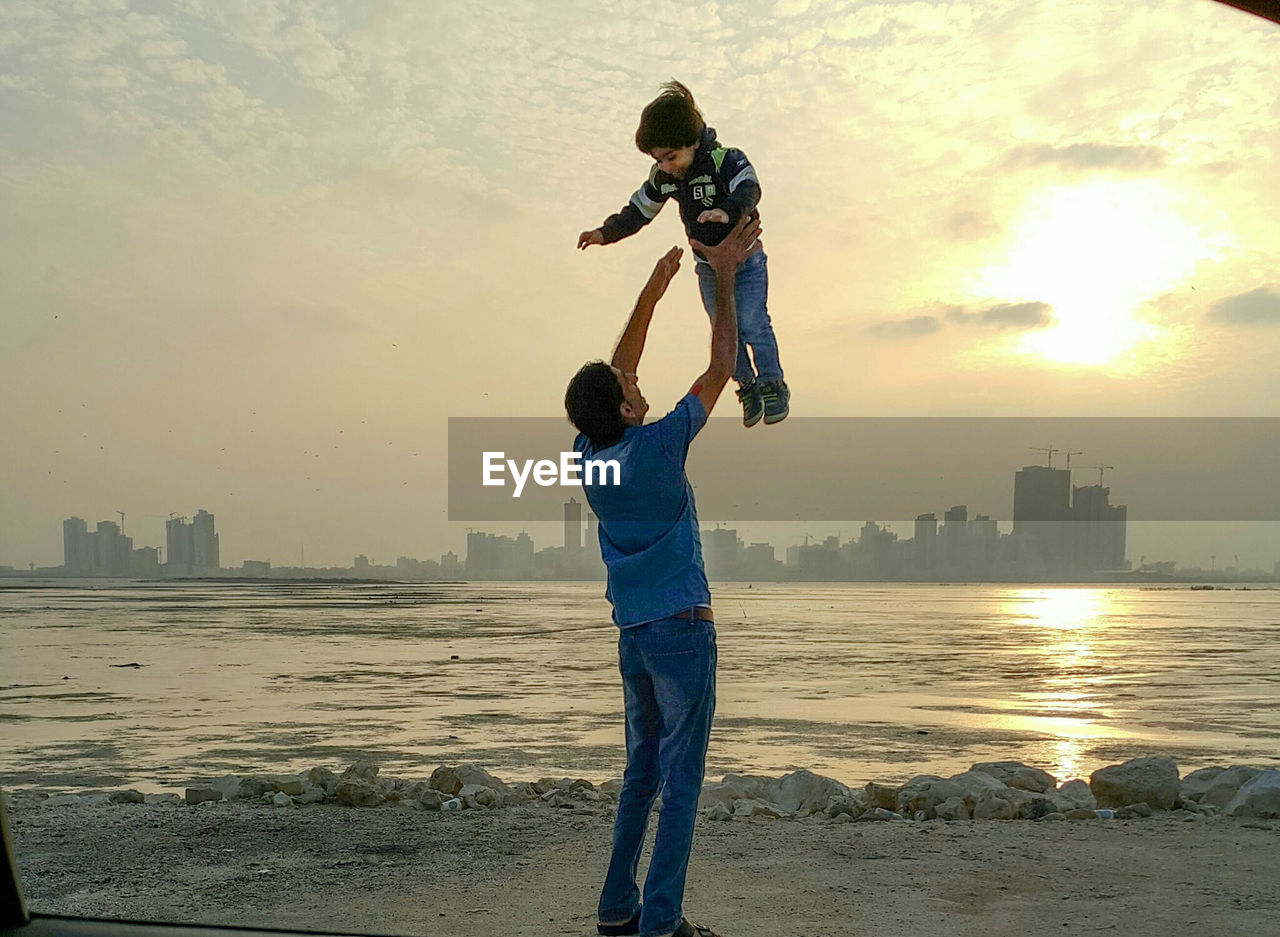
(255, 254)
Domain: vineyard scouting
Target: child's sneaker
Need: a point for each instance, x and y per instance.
(776, 398)
(752, 404)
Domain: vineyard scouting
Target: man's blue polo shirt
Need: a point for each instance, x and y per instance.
(648, 523)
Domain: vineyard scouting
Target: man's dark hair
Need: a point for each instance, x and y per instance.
(593, 401)
(670, 119)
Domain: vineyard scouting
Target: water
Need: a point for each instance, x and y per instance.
(855, 681)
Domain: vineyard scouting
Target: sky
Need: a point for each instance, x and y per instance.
(254, 255)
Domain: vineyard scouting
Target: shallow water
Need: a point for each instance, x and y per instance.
(852, 680)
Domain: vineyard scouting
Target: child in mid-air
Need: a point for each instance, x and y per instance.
(715, 186)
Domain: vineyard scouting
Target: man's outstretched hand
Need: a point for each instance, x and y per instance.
(587, 238)
(730, 252)
(663, 271)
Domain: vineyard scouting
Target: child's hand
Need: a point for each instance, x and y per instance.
(587, 238)
(714, 214)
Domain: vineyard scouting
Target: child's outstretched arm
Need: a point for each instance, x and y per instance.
(643, 208)
(744, 188)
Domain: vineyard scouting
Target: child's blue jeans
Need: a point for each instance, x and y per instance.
(669, 690)
(751, 297)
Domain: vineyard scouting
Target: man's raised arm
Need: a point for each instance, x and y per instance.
(626, 356)
(724, 259)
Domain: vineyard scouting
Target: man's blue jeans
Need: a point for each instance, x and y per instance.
(669, 689)
(751, 298)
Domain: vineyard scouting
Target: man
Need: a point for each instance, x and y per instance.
(661, 602)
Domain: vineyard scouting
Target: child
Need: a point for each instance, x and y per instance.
(714, 186)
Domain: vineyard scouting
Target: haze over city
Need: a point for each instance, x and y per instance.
(258, 254)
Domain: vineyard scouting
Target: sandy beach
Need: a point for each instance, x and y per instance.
(530, 870)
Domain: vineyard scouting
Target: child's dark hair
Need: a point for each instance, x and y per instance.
(670, 119)
(593, 401)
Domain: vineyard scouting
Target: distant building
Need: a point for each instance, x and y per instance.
(256, 567)
(1098, 529)
(449, 565)
(77, 548)
(204, 542)
(953, 538)
(191, 548)
(572, 526)
(926, 542)
(1041, 510)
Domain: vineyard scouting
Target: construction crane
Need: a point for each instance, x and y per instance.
(1070, 453)
(1101, 469)
(1047, 450)
(121, 513)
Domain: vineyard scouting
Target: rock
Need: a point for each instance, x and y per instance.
(718, 793)
(543, 785)
(758, 808)
(953, 808)
(581, 784)
(843, 818)
(882, 796)
(612, 787)
(361, 771)
(451, 780)
(516, 793)
(973, 784)
(229, 785)
(199, 795)
(1133, 811)
(996, 805)
(61, 800)
(1032, 807)
(923, 793)
(1072, 794)
(1051, 817)
(878, 813)
(315, 795)
(1223, 789)
(478, 795)
(281, 799)
(717, 811)
(287, 783)
(1257, 797)
(1196, 784)
(849, 805)
(358, 792)
(318, 777)
(1016, 774)
(161, 799)
(127, 797)
(803, 792)
(1081, 813)
(1153, 781)
(750, 786)
(255, 787)
(432, 799)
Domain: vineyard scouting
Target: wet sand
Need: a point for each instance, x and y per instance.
(532, 870)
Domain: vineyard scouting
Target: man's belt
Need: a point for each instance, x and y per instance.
(697, 613)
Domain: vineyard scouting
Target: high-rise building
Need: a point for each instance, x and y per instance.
(204, 541)
(77, 548)
(926, 541)
(572, 526)
(179, 545)
(953, 537)
(1098, 529)
(112, 550)
(1041, 512)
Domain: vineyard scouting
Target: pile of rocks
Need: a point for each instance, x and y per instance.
(1006, 790)
(999, 790)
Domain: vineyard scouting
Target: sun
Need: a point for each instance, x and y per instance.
(1095, 252)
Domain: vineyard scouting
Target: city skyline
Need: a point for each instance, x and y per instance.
(1059, 530)
(258, 254)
